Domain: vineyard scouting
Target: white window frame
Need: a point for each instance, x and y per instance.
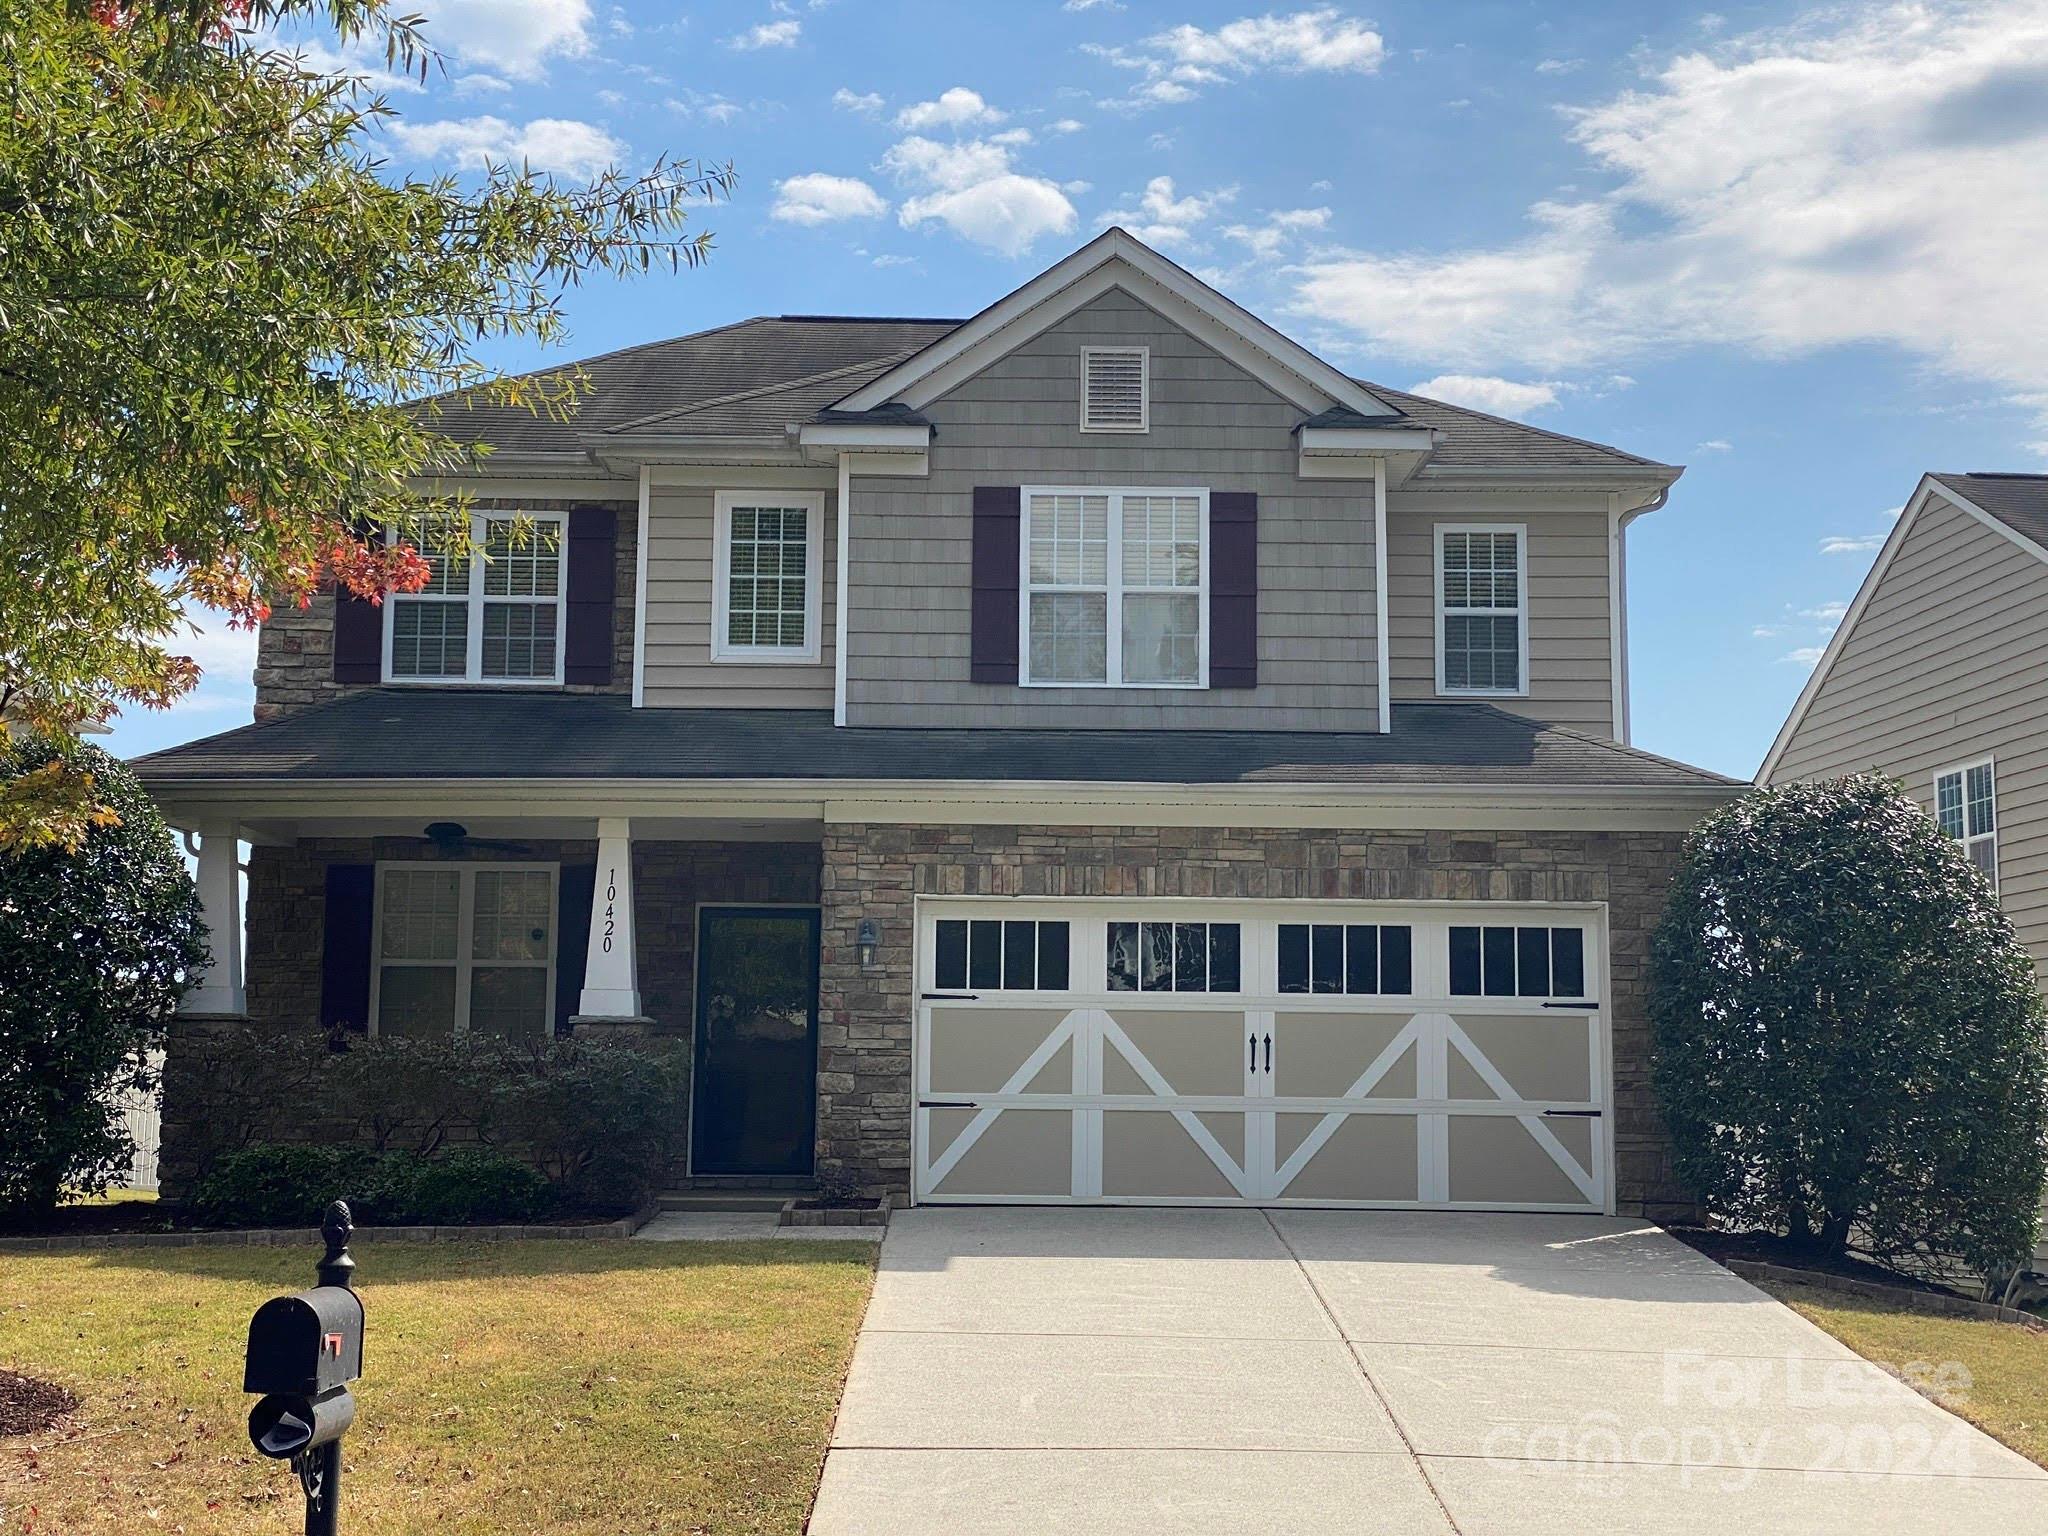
(1144, 357)
(465, 934)
(1961, 772)
(812, 502)
(1114, 590)
(473, 661)
(1520, 612)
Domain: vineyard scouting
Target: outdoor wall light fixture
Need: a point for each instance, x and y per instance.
(868, 940)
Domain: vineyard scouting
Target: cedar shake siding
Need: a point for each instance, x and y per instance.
(1944, 666)
(910, 630)
(295, 650)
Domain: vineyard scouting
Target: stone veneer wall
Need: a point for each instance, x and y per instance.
(286, 916)
(874, 871)
(295, 648)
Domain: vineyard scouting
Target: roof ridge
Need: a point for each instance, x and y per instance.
(871, 319)
(763, 389)
(1522, 426)
(599, 357)
(1579, 733)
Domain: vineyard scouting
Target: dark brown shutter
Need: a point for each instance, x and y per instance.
(573, 891)
(358, 638)
(345, 947)
(592, 543)
(998, 520)
(1233, 589)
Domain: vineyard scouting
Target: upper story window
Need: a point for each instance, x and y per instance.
(492, 620)
(1965, 803)
(1482, 608)
(767, 576)
(1115, 587)
(1116, 389)
(464, 948)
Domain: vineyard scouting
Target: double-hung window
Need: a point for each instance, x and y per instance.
(492, 620)
(1482, 608)
(1115, 588)
(767, 587)
(1966, 805)
(464, 948)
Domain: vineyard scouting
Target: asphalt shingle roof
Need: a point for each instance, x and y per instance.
(2018, 501)
(437, 733)
(755, 377)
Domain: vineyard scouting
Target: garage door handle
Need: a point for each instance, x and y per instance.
(1572, 1114)
(947, 1104)
(1269, 1053)
(950, 997)
(1587, 1006)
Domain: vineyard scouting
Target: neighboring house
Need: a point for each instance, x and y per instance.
(1093, 751)
(1936, 677)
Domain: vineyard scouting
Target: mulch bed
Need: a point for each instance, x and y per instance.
(1769, 1248)
(29, 1406)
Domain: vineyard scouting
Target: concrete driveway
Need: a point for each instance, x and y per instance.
(1158, 1370)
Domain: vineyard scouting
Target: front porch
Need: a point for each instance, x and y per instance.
(701, 934)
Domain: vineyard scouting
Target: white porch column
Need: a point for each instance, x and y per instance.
(611, 973)
(219, 882)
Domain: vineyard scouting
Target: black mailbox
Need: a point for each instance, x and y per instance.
(307, 1344)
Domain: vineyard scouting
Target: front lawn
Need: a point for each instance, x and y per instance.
(554, 1386)
(2007, 1391)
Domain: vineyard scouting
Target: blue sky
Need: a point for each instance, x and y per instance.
(1798, 250)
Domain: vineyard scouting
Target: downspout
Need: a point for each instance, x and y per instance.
(1617, 601)
(640, 589)
(1379, 587)
(840, 600)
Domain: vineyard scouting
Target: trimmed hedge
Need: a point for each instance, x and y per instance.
(273, 1186)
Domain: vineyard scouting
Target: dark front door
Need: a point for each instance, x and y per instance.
(756, 1091)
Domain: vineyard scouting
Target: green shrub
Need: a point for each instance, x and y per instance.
(291, 1186)
(1848, 1036)
(597, 1119)
(97, 945)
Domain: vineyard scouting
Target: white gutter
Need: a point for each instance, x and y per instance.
(640, 590)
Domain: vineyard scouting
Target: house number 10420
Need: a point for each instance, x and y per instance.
(611, 906)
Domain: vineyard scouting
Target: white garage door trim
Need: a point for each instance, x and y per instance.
(1412, 1110)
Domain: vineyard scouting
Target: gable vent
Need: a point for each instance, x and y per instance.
(1115, 389)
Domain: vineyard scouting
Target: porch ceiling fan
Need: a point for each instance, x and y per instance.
(452, 837)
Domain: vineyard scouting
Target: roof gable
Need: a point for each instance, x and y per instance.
(1117, 259)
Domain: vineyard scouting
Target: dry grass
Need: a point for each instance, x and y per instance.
(2007, 1395)
(508, 1387)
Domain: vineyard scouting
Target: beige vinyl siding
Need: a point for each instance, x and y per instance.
(679, 670)
(1571, 669)
(1947, 664)
(1018, 423)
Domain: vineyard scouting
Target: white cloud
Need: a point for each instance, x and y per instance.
(1503, 397)
(769, 34)
(1715, 445)
(355, 60)
(1174, 63)
(957, 107)
(515, 37)
(821, 199)
(1090, 5)
(1827, 615)
(1560, 66)
(480, 85)
(1871, 176)
(547, 144)
(1851, 544)
(1269, 238)
(224, 655)
(713, 108)
(1066, 125)
(974, 189)
(887, 259)
(1077, 187)
(1160, 218)
(1806, 656)
(1768, 631)
(866, 103)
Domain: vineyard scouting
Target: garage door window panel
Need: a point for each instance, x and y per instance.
(999, 955)
(1358, 959)
(1174, 957)
(1500, 961)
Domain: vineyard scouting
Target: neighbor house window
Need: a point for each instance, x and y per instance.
(1482, 609)
(465, 948)
(497, 619)
(1966, 805)
(1116, 389)
(1115, 583)
(767, 588)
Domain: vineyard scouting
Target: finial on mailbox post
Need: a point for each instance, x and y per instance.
(336, 1267)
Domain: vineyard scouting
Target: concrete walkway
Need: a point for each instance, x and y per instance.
(1220, 1371)
(743, 1227)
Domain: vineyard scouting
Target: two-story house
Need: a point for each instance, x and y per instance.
(1094, 751)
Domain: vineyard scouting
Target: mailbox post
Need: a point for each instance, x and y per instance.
(303, 1352)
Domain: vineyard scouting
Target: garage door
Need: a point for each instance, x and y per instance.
(1189, 1053)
